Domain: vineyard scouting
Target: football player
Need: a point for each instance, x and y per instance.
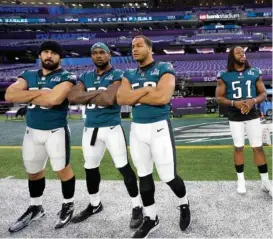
(149, 89)
(240, 88)
(47, 133)
(97, 89)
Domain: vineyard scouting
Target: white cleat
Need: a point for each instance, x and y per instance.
(241, 187)
(267, 187)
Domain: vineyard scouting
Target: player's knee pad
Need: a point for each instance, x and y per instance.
(92, 180)
(238, 149)
(178, 187)
(147, 190)
(129, 180)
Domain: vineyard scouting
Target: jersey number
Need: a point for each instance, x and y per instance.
(238, 89)
(148, 83)
(93, 106)
(32, 106)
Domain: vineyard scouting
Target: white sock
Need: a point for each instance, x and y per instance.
(150, 211)
(69, 200)
(95, 199)
(183, 200)
(36, 201)
(264, 176)
(241, 177)
(136, 202)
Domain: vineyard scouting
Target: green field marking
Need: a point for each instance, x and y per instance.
(212, 164)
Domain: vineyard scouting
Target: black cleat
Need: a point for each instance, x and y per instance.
(86, 213)
(147, 227)
(33, 213)
(185, 216)
(137, 217)
(65, 215)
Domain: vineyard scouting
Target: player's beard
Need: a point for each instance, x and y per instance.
(102, 66)
(239, 63)
(50, 66)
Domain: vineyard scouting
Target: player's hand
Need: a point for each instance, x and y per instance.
(247, 106)
(238, 104)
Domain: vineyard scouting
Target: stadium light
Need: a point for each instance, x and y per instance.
(145, 4)
(41, 3)
(102, 4)
(131, 4)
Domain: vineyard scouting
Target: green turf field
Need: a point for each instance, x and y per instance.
(193, 164)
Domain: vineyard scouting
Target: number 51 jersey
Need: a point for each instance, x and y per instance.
(101, 116)
(241, 85)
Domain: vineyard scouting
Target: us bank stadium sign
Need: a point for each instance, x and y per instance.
(218, 16)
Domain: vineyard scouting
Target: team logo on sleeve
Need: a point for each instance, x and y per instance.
(170, 67)
(56, 79)
(250, 73)
(110, 77)
(155, 72)
(72, 77)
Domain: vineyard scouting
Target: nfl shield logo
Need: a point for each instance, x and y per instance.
(98, 77)
(241, 73)
(142, 74)
(43, 78)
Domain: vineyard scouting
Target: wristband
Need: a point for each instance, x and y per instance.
(232, 103)
(255, 100)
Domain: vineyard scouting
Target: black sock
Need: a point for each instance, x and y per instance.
(36, 187)
(130, 180)
(178, 187)
(239, 168)
(263, 168)
(92, 180)
(68, 188)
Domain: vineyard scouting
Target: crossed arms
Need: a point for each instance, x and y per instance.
(18, 93)
(78, 95)
(159, 95)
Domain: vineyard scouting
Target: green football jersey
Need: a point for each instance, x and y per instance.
(43, 118)
(149, 76)
(241, 86)
(101, 116)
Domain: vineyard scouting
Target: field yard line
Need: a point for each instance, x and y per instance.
(177, 147)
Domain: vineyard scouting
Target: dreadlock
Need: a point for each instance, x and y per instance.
(231, 60)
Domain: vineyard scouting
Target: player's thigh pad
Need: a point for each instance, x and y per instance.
(163, 150)
(116, 144)
(254, 132)
(140, 150)
(34, 151)
(92, 154)
(58, 148)
(237, 129)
